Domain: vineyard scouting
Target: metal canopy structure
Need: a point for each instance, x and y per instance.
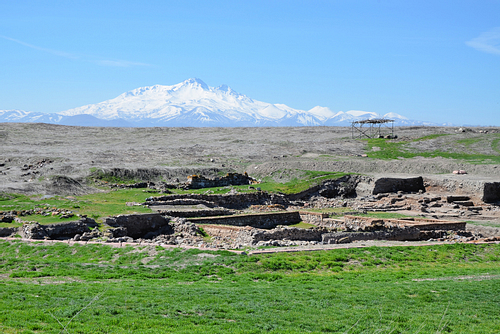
(375, 128)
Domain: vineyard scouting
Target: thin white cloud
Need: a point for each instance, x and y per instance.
(488, 41)
(54, 52)
(102, 62)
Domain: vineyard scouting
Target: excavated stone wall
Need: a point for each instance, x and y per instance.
(491, 192)
(230, 201)
(282, 233)
(139, 225)
(264, 220)
(221, 231)
(231, 179)
(196, 213)
(315, 218)
(54, 231)
(7, 231)
(393, 185)
(399, 234)
(357, 223)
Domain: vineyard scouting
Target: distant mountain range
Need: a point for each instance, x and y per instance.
(194, 103)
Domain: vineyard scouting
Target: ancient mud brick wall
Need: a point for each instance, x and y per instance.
(264, 220)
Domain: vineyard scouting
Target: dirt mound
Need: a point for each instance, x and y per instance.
(64, 185)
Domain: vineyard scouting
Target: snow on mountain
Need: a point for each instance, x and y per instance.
(322, 113)
(394, 116)
(21, 116)
(193, 103)
(207, 106)
(362, 114)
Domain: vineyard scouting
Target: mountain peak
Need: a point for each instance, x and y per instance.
(194, 82)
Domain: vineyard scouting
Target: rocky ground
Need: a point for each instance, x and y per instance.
(31, 154)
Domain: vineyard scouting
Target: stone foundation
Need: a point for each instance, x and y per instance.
(54, 231)
(8, 231)
(398, 234)
(356, 223)
(263, 220)
(230, 201)
(314, 218)
(138, 225)
(230, 179)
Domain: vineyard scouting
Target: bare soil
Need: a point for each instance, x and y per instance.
(31, 154)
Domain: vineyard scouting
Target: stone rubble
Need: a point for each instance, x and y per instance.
(173, 227)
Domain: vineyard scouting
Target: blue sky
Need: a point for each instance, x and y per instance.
(435, 60)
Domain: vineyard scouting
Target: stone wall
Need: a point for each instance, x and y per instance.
(138, 225)
(393, 185)
(261, 220)
(283, 233)
(7, 231)
(230, 201)
(195, 213)
(315, 218)
(251, 236)
(357, 223)
(224, 231)
(399, 234)
(60, 230)
(230, 179)
(491, 192)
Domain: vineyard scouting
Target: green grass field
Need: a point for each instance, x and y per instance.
(100, 289)
(96, 205)
(465, 152)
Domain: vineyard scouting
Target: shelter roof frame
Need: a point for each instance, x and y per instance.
(374, 129)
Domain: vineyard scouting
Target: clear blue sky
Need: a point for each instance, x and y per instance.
(427, 60)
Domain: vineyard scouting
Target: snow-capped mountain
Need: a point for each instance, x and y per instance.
(193, 103)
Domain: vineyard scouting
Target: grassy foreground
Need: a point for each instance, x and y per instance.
(100, 289)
